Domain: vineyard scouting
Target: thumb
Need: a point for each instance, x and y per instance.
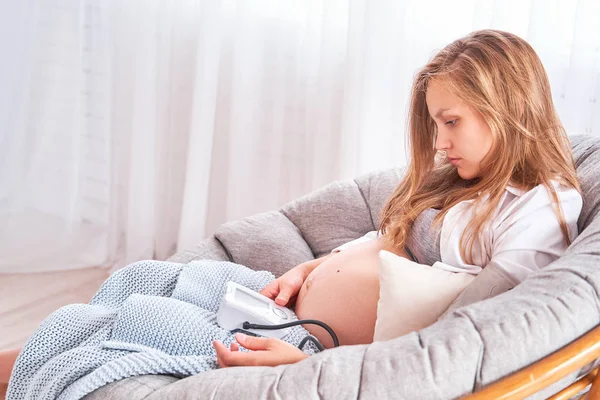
(284, 295)
(253, 342)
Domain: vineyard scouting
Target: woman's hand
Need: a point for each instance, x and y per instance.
(268, 352)
(285, 288)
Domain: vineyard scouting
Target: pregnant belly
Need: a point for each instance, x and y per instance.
(343, 292)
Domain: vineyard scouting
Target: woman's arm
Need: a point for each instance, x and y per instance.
(285, 288)
(528, 241)
(372, 235)
(268, 352)
(312, 264)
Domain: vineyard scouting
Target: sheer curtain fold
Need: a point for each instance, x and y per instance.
(131, 130)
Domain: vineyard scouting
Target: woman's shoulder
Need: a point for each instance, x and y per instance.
(518, 202)
(541, 188)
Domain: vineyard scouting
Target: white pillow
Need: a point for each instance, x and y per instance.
(412, 296)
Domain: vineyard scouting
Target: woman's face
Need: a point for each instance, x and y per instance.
(461, 131)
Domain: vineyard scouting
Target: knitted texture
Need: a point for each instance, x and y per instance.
(151, 317)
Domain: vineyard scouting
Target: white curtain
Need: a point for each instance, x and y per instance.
(132, 129)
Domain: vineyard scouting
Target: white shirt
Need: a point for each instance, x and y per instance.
(524, 235)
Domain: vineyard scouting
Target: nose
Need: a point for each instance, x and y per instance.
(442, 142)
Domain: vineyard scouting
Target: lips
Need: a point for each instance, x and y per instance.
(454, 160)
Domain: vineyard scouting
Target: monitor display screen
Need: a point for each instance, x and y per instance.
(245, 298)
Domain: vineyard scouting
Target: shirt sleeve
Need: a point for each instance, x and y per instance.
(491, 281)
(528, 241)
(530, 238)
(366, 238)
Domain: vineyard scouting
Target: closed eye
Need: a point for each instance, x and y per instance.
(452, 123)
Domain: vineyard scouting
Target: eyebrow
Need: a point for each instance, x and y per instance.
(440, 112)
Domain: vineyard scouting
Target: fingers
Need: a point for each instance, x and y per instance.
(227, 358)
(271, 352)
(284, 295)
(275, 291)
(271, 290)
(253, 342)
(234, 346)
(221, 351)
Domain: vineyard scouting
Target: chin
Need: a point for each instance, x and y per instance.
(466, 175)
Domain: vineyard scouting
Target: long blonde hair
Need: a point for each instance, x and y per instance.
(501, 77)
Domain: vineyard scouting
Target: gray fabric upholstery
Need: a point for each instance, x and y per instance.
(137, 387)
(490, 282)
(471, 347)
(267, 241)
(330, 216)
(587, 159)
(209, 248)
(377, 187)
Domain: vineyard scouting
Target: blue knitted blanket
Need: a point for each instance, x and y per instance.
(151, 317)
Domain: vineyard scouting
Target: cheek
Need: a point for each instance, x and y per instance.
(479, 142)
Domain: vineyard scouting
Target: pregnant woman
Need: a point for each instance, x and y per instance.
(491, 180)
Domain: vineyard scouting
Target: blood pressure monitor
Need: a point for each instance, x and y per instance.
(241, 304)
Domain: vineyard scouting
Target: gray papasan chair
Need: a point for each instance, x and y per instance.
(470, 348)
